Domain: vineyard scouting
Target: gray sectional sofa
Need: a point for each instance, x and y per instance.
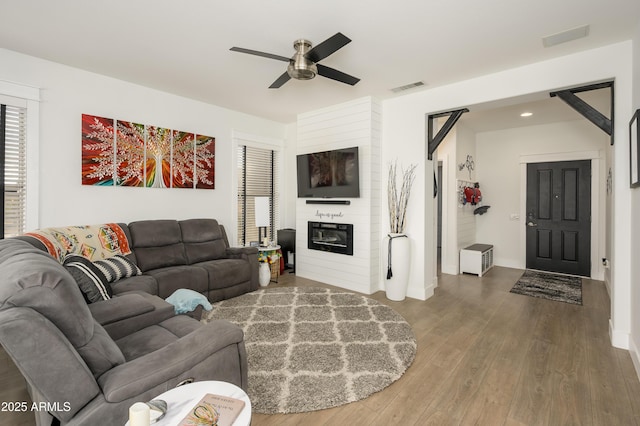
(88, 363)
(193, 254)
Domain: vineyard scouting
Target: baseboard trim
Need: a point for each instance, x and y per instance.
(635, 357)
(359, 288)
(607, 286)
(450, 269)
(619, 339)
(420, 293)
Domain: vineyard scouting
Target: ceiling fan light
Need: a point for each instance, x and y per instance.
(300, 67)
(302, 70)
(303, 65)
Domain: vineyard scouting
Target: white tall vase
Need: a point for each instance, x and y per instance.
(400, 257)
(264, 274)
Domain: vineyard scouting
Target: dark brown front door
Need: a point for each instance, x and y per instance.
(559, 217)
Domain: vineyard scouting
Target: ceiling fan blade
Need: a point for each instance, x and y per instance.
(263, 54)
(337, 75)
(327, 47)
(280, 81)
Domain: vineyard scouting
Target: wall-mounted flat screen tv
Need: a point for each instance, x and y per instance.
(329, 174)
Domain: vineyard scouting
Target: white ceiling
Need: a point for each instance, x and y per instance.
(182, 47)
(505, 114)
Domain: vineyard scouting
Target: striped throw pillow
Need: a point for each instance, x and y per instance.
(117, 267)
(91, 280)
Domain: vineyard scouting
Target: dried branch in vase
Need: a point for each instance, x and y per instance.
(398, 201)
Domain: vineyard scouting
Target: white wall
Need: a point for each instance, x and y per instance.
(289, 192)
(404, 137)
(634, 345)
(499, 172)
(446, 153)
(465, 154)
(67, 93)
(355, 123)
(458, 221)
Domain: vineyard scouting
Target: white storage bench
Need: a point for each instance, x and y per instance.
(476, 259)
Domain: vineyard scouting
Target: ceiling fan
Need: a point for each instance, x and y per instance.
(303, 65)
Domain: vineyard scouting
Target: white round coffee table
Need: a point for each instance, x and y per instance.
(182, 399)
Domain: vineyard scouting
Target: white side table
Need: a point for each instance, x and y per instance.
(182, 399)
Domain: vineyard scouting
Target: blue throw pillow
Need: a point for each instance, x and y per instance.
(185, 300)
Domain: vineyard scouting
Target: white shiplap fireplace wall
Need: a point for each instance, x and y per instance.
(355, 123)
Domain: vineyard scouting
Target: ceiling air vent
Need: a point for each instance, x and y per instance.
(565, 36)
(407, 87)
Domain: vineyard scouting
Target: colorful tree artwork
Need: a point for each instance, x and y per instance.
(131, 154)
(97, 150)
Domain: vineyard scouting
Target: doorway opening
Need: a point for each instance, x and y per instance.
(502, 143)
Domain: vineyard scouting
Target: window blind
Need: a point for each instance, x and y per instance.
(13, 165)
(257, 177)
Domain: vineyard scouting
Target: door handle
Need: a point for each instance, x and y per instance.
(531, 224)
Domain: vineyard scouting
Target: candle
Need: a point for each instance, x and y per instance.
(139, 414)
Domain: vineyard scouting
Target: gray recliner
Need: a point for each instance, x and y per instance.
(76, 369)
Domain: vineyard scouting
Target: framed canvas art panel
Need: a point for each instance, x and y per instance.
(97, 150)
(205, 162)
(158, 157)
(182, 164)
(130, 155)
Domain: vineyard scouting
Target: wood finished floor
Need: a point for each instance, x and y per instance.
(485, 357)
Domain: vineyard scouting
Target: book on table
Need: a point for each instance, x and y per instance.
(214, 410)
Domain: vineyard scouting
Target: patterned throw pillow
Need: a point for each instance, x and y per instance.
(91, 280)
(117, 267)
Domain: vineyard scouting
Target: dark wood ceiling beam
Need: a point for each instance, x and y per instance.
(589, 112)
(434, 141)
(586, 110)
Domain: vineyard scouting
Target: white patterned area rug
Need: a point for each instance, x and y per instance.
(545, 285)
(315, 348)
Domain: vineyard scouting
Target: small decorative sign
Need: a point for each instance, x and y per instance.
(328, 215)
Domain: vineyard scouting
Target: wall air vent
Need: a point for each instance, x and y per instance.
(407, 87)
